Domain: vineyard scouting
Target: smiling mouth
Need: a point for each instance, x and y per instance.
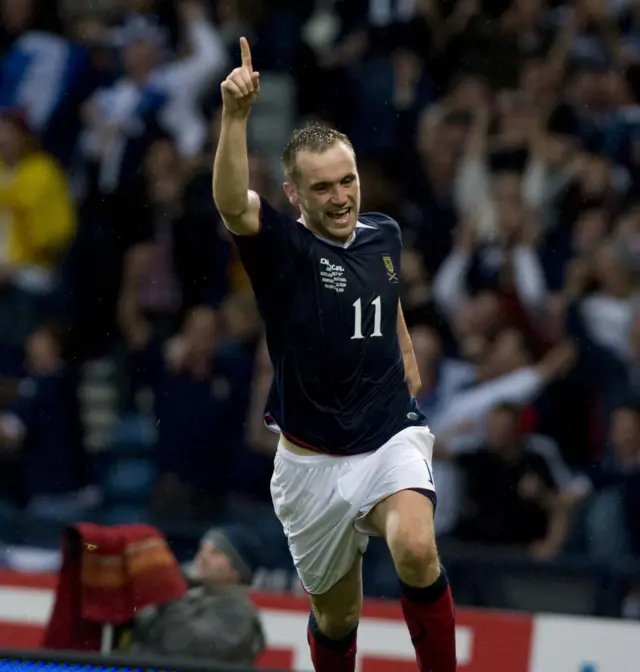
(340, 216)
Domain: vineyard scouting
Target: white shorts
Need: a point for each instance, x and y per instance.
(322, 501)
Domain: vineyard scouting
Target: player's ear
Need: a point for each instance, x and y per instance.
(291, 193)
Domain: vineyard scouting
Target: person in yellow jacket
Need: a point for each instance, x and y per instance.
(37, 218)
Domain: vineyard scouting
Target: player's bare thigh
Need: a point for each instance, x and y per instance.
(406, 521)
(338, 610)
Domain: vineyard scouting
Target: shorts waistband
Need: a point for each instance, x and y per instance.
(308, 460)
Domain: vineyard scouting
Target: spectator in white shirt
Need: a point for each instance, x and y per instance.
(115, 116)
(513, 257)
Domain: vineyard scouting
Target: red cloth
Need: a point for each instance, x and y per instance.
(109, 573)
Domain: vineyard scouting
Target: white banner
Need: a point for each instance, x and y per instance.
(567, 644)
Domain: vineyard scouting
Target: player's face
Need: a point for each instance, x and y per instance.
(327, 191)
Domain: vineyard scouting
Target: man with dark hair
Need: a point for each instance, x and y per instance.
(511, 491)
(354, 457)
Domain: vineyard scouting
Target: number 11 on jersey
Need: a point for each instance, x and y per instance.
(377, 318)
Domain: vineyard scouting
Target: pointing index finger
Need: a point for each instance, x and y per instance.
(245, 50)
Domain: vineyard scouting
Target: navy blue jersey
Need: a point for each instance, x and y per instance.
(330, 314)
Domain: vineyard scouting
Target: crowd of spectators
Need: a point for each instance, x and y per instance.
(503, 135)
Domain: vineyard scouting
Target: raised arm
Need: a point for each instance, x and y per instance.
(239, 207)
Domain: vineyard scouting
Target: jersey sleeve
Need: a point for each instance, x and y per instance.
(269, 253)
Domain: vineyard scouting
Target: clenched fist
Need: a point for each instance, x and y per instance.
(240, 89)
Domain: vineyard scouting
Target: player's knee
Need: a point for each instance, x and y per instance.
(337, 624)
(416, 559)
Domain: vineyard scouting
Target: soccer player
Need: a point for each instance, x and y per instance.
(354, 457)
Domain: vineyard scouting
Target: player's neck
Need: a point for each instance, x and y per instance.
(326, 236)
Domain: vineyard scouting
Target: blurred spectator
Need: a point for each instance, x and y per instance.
(44, 73)
(609, 526)
(200, 387)
(37, 221)
(609, 312)
(603, 362)
(44, 462)
(504, 375)
(215, 620)
(185, 262)
(130, 16)
(442, 377)
(510, 265)
(416, 290)
(251, 461)
(512, 489)
(121, 119)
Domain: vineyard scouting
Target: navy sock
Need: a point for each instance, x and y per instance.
(430, 593)
(337, 645)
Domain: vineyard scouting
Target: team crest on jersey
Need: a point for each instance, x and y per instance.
(391, 271)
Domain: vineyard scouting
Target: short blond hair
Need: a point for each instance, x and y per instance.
(314, 137)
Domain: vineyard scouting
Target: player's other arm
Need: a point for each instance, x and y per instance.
(411, 371)
(239, 207)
